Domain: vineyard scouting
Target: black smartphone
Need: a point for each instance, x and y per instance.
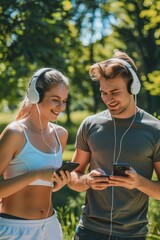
(67, 166)
(120, 168)
(103, 175)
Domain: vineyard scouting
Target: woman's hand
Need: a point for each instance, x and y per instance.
(60, 181)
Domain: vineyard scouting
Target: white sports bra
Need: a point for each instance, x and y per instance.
(30, 158)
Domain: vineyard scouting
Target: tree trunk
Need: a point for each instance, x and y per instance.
(68, 110)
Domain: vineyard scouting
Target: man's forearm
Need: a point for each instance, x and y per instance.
(149, 187)
(78, 182)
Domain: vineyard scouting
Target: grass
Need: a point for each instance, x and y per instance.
(68, 152)
(6, 118)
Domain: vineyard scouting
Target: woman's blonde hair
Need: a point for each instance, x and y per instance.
(44, 83)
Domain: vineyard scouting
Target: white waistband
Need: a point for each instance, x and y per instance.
(42, 183)
(28, 222)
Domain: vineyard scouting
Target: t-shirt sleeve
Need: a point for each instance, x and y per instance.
(156, 155)
(82, 136)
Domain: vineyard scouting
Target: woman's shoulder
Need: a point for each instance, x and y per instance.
(62, 135)
(13, 129)
(11, 139)
(61, 130)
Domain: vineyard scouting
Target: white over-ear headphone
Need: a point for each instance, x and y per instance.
(33, 94)
(136, 85)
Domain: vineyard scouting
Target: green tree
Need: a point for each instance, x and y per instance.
(87, 15)
(71, 35)
(126, 26)
(33, 34)
(134, 28)
(152, 14)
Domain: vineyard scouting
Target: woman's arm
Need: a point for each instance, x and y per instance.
(11, 142)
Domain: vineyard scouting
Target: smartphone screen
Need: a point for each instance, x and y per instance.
(103, 175)
(67, 166)
(102, 178)
(120, 168)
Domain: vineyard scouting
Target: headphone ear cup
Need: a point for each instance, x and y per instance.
(136, 85)
(33, 94)
(135, 88)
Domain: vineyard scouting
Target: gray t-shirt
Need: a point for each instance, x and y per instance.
(117, 209)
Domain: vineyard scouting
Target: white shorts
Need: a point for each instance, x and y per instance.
(43, 229)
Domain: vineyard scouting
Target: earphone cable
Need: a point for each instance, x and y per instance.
(39, 115)
(120, 144)
(54, 150)
(115, 160)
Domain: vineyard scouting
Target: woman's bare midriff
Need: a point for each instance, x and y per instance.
(33, 202)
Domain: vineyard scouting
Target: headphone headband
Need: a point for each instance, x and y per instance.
(119, 60)
(33, 94)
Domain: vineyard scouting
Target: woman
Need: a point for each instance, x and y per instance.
(30, 151)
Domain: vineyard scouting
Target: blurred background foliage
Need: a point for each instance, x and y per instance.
(70, 35)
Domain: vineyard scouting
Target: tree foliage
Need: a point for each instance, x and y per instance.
(33, 34)
(134, 24)
(70, 36)
(153, 16)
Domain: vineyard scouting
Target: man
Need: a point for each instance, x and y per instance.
(116, 206)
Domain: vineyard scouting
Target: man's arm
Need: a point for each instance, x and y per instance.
(79, 180)
(150, 187)
(134, 180)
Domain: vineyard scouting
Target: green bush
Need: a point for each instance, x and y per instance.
(154, 220)
(69, 215)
